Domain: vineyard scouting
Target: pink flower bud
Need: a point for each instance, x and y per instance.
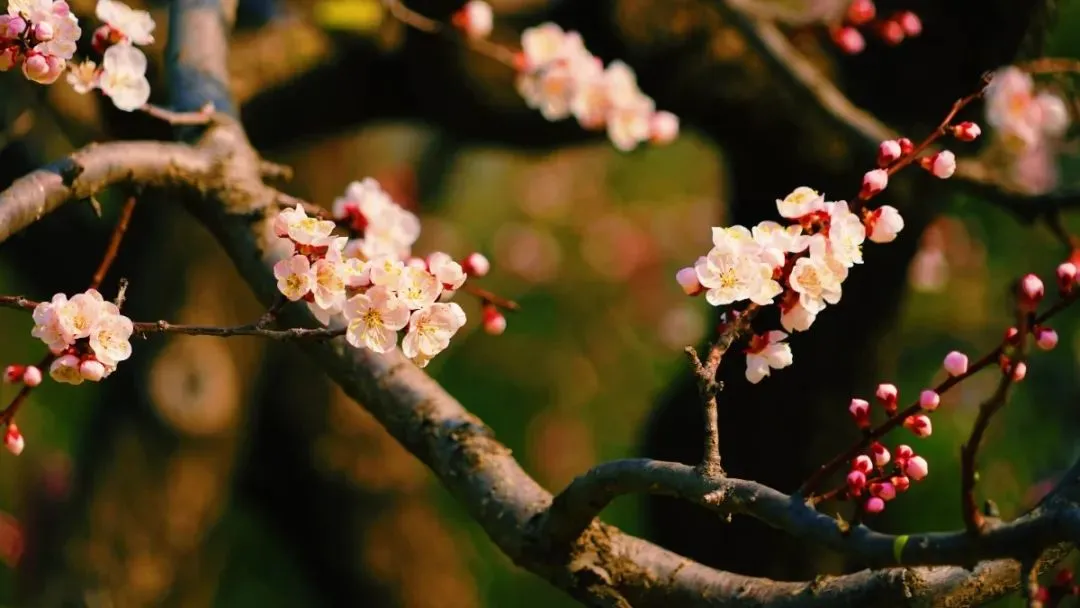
(903, 452)
(862, 463)
(906, 146)
(916, 468)
(11, 27)
(966, 131)
(43, 69)
(956, 363)
(1066, 276)
(909, 22)
(687, 279)
(919, 424)
(1019, 371)
(475, 19)
(103, 38)
(43, 31)
(887, 394)
(941, 165)
(888, 152)
(884, 224)
(92, 370)
(663, 128)
(1010, 334)
(860, 411)
(891, 32)
(13, 440)
(880, 454)
(13, 373)
(873, 182)
(929, 400)
(900, 482)
(418, 263)
(856, 481)
(874, 505)
(883, 490)
(861, 11)
(1031, 292)
(1046, 338)
(32, 376)
(849, 40)
(9, 57)
(494, 321)
(476, 265)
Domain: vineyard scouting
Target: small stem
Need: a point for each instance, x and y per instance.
(204, 116)
(897, 419)
(413, 19)
(296, 333)
(114, 243)
(488, 296)
(271, 313)
(8, 414)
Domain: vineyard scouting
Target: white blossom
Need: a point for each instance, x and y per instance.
(374, 319)
(123, 77)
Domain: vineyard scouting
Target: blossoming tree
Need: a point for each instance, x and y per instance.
(346, 285)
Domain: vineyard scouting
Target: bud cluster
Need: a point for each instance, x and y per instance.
(862, 17)
(872, 479)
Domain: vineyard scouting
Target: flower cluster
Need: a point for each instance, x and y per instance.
(370, 281)
(87, 335)
(871, 476)
(862, 15)
(1022, 117)
(801, 265)
(122, 73)
(559, 77)
(39, 34)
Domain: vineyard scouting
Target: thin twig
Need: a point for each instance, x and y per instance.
(295, 333)
(709, 388)
(114, 243)
(204, 116)
(897, 419)
(8, 414)
(413, 19)
(493, 298)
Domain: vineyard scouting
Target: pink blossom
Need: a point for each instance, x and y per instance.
(956, 364)
(888, 152)
(917, 468)
(919, 424)
(860, 411)
(862, 463)
(1046, 338)
(874, 182)
(874, 505)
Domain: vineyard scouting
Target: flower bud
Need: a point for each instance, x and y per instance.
(856, 481)
(941, 165)
(92, 370)
(888, 152)
(475, 19)
(494, 321)
(956, 363)
(476, 265)
(919, 424)
(13, 373)
(900, 482)
(966, 131)
(1066, 276)
(9, 57)
(906, 146)
(891, 32)
(11, 26)
(32, 376)
(860, 12)
(102, 39)
(860, 411)
(1046, 338)
(916, 468)
(880, 454)
(65, 369)
(688, 280)
(887, 394)
(849, 40)
(43, 69)
(884, 224)
(13, 440)
(862, 463)
(884, 490)
(417, 263)
(1031, 292)
(873, 182)
(43, 31)
(1019, 371)
(909, 22)
(663, 128)
(874, 505)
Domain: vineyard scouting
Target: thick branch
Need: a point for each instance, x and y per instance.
(95, 168)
